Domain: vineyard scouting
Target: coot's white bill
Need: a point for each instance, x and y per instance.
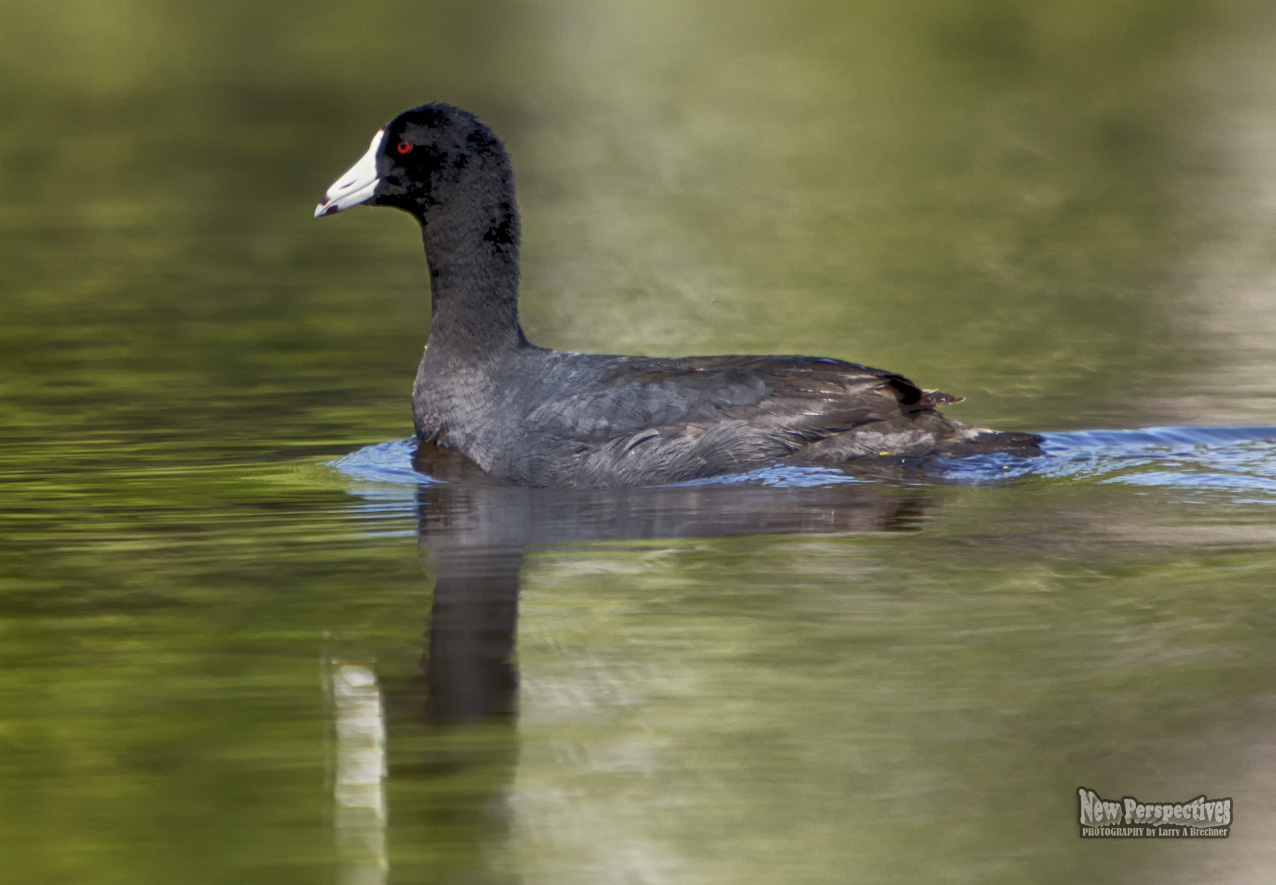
(357, 185)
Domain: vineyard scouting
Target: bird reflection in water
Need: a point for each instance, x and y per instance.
(459, 718)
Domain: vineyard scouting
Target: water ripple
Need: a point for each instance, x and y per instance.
(1239, 461)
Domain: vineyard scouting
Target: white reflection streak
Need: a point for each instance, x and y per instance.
(359, 786)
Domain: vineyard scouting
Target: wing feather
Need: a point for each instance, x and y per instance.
(687, 418)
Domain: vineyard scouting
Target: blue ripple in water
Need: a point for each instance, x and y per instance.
(1230, 459)
(383, 462)
(391, 462)
(1236, 460)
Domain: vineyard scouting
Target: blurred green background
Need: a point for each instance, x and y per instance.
(1042, 206)
(1065, 212)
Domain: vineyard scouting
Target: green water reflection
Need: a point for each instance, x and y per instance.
(1061, 211)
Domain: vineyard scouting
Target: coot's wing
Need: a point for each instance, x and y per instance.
(843, 394)
(807, 396)
(645, 420)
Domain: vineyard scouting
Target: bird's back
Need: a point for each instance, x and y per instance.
(586, 420)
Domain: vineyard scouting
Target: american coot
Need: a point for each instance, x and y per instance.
(547, 418)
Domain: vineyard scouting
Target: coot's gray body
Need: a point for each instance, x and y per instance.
(536, 417)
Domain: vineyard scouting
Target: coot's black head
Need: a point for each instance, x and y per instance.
(432, 156)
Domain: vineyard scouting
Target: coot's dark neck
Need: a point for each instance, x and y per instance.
(472, 250)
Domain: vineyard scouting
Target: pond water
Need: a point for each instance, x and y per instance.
(243, 638)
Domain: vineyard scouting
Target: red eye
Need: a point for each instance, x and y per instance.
(404, 147)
